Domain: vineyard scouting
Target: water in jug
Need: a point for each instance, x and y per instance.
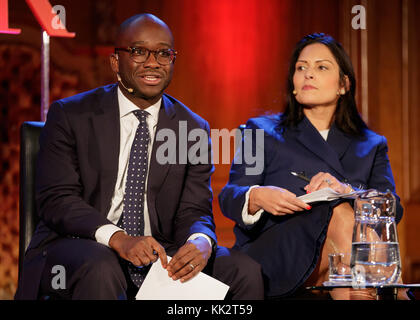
(375, 256)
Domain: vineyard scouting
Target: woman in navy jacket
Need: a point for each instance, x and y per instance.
(321, 134)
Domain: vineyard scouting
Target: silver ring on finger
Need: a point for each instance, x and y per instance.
(192, 267)
(328, 181)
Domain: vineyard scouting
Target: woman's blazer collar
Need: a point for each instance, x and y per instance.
(331, 151)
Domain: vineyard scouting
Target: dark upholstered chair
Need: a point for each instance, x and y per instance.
(28, 218)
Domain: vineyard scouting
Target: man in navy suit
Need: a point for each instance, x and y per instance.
(85, 149)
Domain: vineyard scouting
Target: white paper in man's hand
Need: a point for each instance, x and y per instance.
(159, 286)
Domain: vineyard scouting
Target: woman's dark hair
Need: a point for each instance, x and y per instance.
(347, 118)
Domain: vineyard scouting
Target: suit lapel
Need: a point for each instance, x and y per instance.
(106, 126)
(157, 171)
(338, 140)
(313, 141)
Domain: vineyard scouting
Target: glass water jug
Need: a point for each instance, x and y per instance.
(375, 256)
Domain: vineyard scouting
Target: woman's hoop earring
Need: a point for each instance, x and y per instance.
(294, 92)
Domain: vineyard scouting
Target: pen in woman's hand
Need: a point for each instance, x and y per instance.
(300, 175)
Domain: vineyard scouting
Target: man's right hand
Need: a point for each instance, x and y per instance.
(140, 251)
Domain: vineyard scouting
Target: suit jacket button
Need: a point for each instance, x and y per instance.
(44, 253)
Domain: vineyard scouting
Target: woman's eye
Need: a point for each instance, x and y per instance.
(323, 68)
(300, 68)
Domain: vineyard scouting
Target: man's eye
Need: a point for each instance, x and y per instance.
(139, 51)
(165, 53)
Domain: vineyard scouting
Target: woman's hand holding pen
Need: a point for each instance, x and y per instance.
(275, 200)
(325, 180)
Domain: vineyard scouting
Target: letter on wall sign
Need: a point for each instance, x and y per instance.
(47, 17)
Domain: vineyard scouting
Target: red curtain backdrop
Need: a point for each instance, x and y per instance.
(230, 59)
(231, 66)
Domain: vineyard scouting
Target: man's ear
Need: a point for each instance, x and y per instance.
(113, 60)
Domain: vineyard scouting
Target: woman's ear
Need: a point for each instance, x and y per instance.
(344, 85)
(347, 83)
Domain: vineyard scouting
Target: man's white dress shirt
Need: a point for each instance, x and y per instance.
(128, 127)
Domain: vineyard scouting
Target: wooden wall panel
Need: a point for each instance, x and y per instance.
(392, 67)
(411, 125)
(386, 60)
(413, 99)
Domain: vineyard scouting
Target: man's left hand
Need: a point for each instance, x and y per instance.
(190, 259)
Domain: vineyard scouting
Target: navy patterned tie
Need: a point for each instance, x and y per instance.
(132, 220)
